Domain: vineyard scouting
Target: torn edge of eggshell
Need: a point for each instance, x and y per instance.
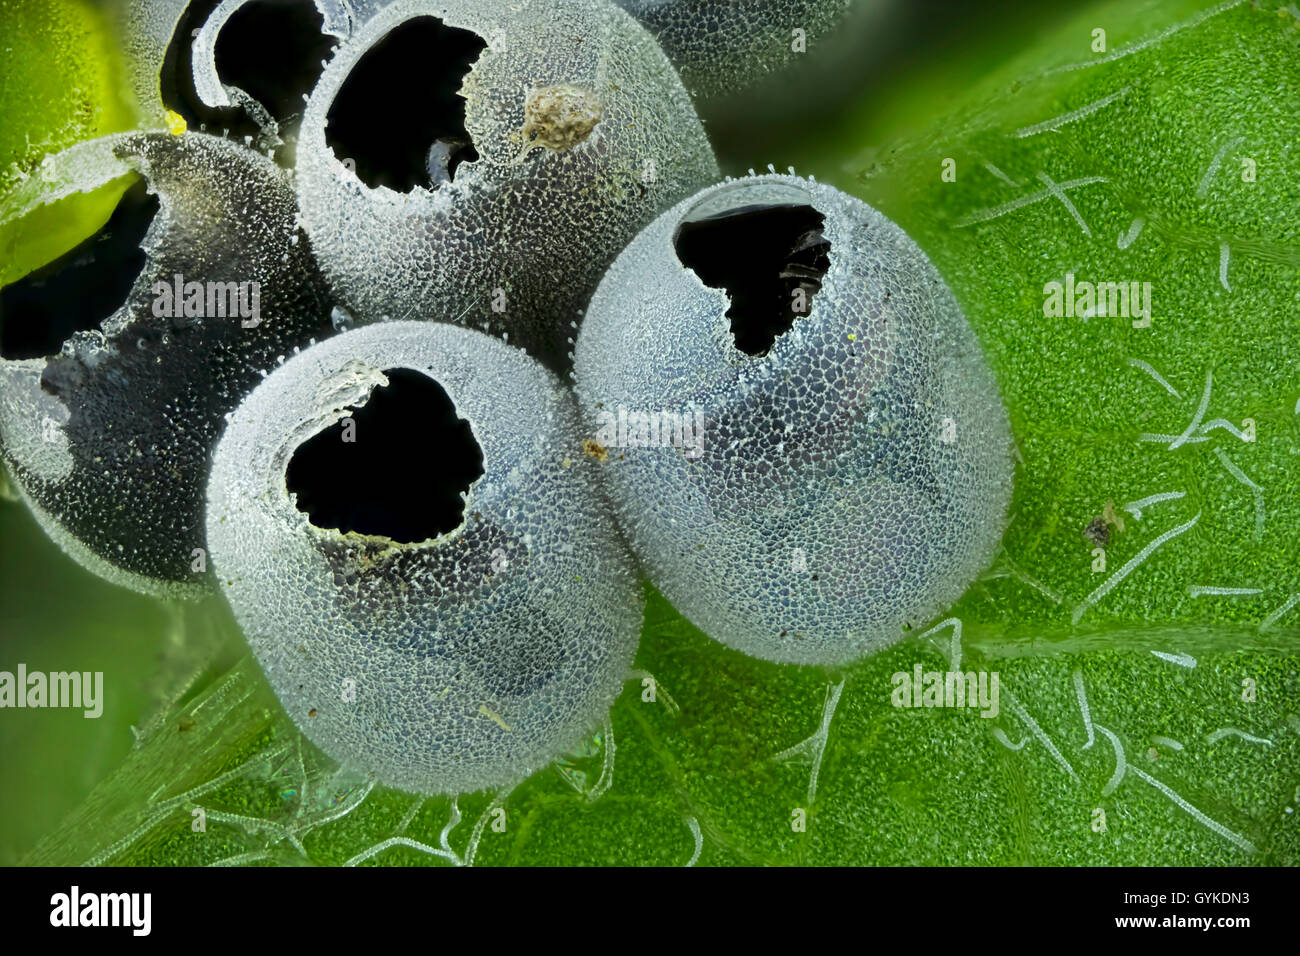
(148, 28)
(337, 22)
(33, 422)
(336, 397)
(81, 168)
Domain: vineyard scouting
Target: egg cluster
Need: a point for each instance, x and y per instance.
(321, 363)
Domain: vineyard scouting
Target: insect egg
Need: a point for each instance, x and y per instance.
(806, 447)
(421, 557)
(483, 161)
(120, 360)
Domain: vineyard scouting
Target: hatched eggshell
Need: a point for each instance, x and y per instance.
(475, 657)
(850, 482)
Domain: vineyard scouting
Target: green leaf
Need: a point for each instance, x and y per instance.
(720, 772)
(58, 85)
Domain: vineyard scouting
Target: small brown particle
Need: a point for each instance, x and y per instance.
(1098, 532)
(595, 449)
(559, 117)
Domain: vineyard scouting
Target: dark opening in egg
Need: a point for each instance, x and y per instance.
(770, 260)
(397, 467)
(77, 291)
(399, 115)
(273, 50)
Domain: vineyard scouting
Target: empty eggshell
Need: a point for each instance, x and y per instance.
(169, 44)
(575, 133)
(109, 437)
(807, 497)
(442, 664)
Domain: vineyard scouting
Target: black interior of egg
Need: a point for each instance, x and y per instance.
(770, 260)
(400, 112)
(81, 288)
(404, 471)
(273, 50)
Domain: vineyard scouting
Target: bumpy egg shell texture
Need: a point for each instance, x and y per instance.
(539, 223)
(469, 672)
(147, 28)
(110, 439)
(719, 47)
(826, 511)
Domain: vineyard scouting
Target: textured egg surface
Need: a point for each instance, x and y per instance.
(832, 492)
(443, 665)
(110, 438)
(719, 47)
(576, 133)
